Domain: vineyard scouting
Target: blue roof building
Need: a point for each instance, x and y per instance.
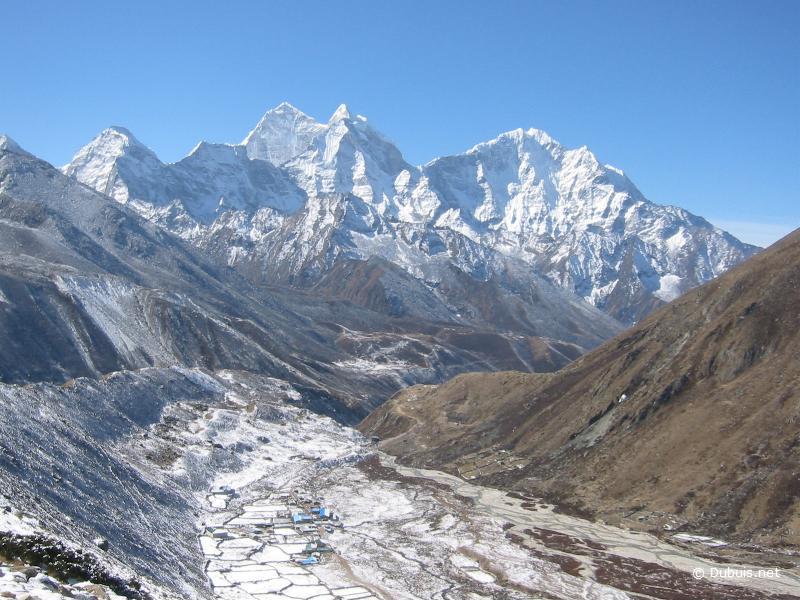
(301, 518)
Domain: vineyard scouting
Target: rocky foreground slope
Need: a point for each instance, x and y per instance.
(687, 421)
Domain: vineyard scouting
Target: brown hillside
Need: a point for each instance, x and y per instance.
(690, 419)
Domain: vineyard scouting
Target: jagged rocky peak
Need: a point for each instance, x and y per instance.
(281, 134)
(340, 114)
(110, 160)
(216, 152)
(9, 145)
(111, 142)
(518, 137)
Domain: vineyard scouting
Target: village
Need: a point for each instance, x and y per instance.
(267, 549)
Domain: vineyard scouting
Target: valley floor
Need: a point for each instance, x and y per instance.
(418, 534)
(406, 533)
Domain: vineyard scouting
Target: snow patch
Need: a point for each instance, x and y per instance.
(670, 287)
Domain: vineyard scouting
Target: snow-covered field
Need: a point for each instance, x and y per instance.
(261, 553)
(402, 538)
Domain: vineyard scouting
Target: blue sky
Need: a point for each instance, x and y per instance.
(699, 102)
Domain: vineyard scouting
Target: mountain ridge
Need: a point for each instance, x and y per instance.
(581, 224)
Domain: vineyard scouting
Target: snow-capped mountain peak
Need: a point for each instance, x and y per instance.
(9, 145)
(215, 151)
(351, 157)
(112, 142)
(581, 223)
(281, 134)
(341, 113)
(112, 151)
(286, 107)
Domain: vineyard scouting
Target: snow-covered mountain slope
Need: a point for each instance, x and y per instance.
(89, 286)
(581, 224)
(330, 245)
(89, 469)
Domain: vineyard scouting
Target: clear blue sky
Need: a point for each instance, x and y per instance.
(698, 101)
